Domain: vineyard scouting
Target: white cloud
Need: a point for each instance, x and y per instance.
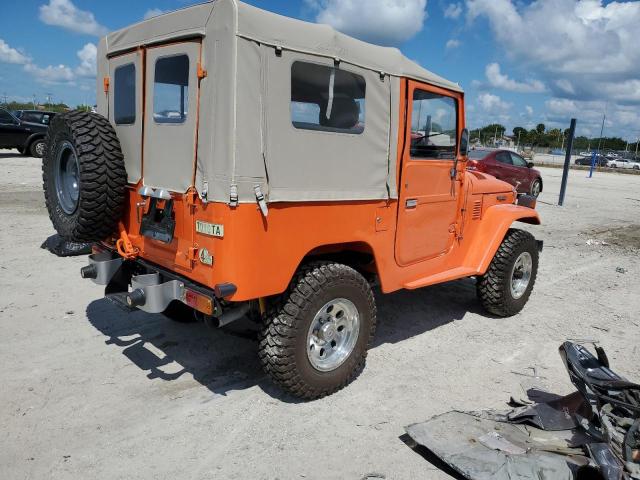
(529, 110)
(87, 56)
(492, 103)
(621, 120)
(63, 13)
(53, 74)
(585, 49)
(497, 79)
(453, 11)
(385, 22)
(153, 12)
(11, 55)
(453, 43)
(565, 86)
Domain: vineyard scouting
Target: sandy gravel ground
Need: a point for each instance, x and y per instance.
(89, 392)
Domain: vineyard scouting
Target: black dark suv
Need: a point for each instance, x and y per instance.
(26, 136)
(34, 116)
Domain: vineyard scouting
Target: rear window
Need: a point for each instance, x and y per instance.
(478, 154)
(171, 89)
(124, 95)
(327, 99)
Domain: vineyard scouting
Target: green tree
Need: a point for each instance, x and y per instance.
(519, 131)
(541, 128)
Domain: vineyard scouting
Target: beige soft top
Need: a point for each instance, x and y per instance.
(278, 31)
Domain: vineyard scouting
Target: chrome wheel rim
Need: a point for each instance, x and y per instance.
(67, 178)
(40, 148)
(535, 191)
(333, 334)
(521, 274)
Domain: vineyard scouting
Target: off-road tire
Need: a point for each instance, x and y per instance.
(493, 288)
(283, 339)
(35, 146)
(102, 176)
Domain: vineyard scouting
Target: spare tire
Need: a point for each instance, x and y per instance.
(84, 176)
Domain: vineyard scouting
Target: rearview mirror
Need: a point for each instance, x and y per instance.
(464, 142)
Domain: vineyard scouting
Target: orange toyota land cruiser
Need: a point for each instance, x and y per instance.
(244, 163)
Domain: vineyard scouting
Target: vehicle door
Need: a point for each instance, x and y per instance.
(522, 172)
(504, 168)
(428, 213)
(171, 116)
(12, 134)
(125, 109)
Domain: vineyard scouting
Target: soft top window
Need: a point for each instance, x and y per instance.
(124, 99)
(327, 99)
(171, 89)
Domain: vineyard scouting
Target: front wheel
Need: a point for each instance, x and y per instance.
(507, 285)
(315, 340)
(536, 187)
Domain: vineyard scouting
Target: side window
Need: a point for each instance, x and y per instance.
(518, 161)
(6, 118)
(171, 89)
(434, 126)
(504, 157)
(124, 95)
(46, 119)
(32, 117)
(327, 99)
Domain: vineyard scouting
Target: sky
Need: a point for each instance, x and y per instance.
(520, 62)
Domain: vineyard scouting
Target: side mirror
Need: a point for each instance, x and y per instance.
(530, 164)
(464, 142)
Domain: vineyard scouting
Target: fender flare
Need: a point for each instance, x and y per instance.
(496, 221)
(32, 137)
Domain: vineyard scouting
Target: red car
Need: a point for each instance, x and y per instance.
(507, 166)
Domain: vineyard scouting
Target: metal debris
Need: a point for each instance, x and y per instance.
(591, 433)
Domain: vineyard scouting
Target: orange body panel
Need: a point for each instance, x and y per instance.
(261, 254)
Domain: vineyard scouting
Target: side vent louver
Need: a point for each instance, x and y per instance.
(476, 213)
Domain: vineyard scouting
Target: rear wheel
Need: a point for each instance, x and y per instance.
(507, 285)
(84, 176)
(315, 340)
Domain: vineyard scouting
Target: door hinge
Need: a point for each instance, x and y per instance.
(262, 203)
(455, 230)
(202, 73)
(192, 253)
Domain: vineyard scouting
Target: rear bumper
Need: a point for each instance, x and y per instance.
(143, 285)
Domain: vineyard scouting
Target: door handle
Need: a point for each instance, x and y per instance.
(411, 203)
